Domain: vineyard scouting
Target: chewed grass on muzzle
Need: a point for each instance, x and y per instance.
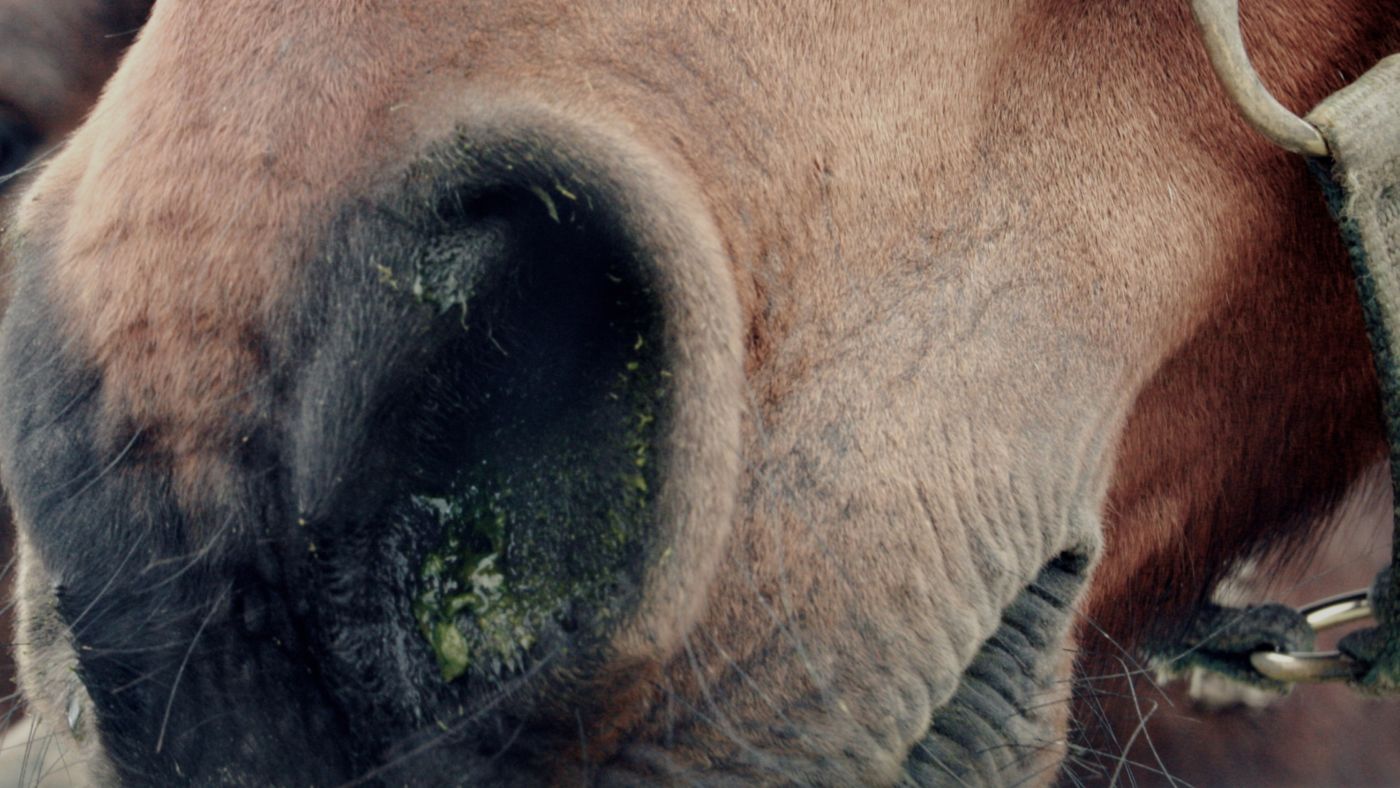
(527, 442)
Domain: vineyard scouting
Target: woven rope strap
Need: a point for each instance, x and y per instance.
(1361, 124)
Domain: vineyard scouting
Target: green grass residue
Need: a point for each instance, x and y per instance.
(523, 548)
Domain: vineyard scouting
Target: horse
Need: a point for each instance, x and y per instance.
(757, 394)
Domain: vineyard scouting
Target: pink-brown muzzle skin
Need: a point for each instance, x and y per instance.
(759, 372)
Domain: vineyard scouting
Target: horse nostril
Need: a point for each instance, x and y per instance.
(480, 475)
(502, 489)
(531, 457)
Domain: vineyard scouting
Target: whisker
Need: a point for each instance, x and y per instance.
(462, 723)
(34, 163)
(170, 701)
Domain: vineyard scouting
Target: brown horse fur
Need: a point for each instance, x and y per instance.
(1007, 271)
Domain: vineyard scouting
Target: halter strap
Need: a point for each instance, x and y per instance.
(1361, 124)
(1352, 140)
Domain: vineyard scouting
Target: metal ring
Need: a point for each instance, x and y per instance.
(1317, 666)
(1219, 21)
(1306, 667)
(1337, 610)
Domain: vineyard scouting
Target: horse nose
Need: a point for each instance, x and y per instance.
(491, 460)
(506, 439)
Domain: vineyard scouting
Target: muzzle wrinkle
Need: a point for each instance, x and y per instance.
(1012, 692)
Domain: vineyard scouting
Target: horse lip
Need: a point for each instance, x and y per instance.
(1012, 692)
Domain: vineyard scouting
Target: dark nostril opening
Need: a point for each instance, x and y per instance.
(530, 440)
(521, 449)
